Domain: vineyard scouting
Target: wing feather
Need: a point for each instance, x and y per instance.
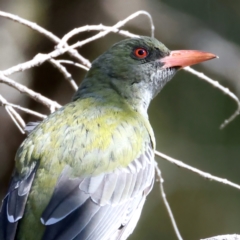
(66, 198)
(72, 224)
(14, 204)
(30, 126)
(91, 208)
(90, 185)
(112, 203)
(120, 184)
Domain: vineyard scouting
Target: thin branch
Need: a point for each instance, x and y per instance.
(221, 88)
(73, 63)
(52, 105)
(16, 118)
(65, 73)
(41, 58)
(111, 29)
(195, 170)
(38, 60)
(29, 111)
(160, 179)
(107, 30)
(74, 53)
(150, 21)
(19, 122)
(88, 28)
(224, 237)
(31, 25)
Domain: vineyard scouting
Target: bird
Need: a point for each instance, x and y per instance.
(85, 171)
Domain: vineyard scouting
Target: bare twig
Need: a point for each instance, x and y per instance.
(73, 63)
(4, 102)
(195, 170)
(65, 73)
(19, 122)
(221, 88)
(94, 28)
(160, 179)
(31, 25)
(36, 61)
(16, 118)
(52, 105)
(46, 33)
(107, 30)
(111, 29)
(41, 58)
(224, 237)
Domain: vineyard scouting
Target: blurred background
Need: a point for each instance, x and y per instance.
(186, 115)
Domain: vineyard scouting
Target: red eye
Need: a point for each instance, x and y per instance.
(140, 53)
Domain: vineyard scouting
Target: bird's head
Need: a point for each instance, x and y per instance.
(138, 68)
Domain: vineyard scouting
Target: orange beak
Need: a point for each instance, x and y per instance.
(184, 58)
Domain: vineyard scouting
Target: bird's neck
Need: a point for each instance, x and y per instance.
(103, 91)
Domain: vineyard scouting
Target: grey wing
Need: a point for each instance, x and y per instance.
(30, 126)
(106, 206)
(13, 205)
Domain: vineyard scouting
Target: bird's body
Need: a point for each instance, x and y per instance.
(85, 171)
(107, 145)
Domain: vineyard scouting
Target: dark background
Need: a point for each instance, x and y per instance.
(186, 115)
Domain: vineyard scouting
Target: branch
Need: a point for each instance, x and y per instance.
(19, 122)
(224, 237)
(195, 170)
(111, 29)
(65, 73)
(39, 59)
(73, 52)
(88, 28)
(74, 64)
(165, 201)
(52, 105)
(221, 88)
(26, 110)
(46, 33)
